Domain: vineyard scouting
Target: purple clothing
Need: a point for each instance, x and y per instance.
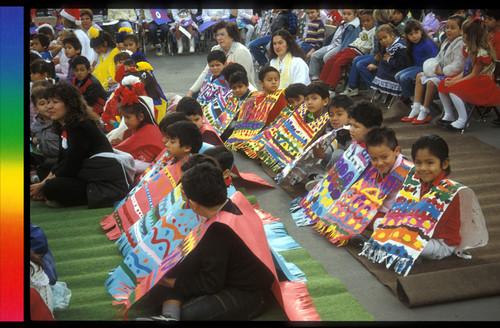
(71, 75)
(430, 22)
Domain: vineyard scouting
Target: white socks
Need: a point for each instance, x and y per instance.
(415, 110)
(461, 111)
(424, 112)
(447, 106)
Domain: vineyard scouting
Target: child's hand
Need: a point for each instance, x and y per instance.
(56, 60)
(372, 67)
(449, 82)
(35, 141)
(309, 54)
(115, 142)
(319, 152)
(112, 83)
(377, 56)
(386, 56)
(439, 71)
(36, 192)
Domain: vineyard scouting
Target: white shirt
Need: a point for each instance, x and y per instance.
(299, 71)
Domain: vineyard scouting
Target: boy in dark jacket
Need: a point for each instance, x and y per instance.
(88, 84)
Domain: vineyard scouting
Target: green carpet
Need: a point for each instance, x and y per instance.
(84, 255)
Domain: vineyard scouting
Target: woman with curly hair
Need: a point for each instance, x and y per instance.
(87, 170)
(288, 58)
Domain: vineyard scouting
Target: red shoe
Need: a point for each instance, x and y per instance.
(425, 120)
(408, 119)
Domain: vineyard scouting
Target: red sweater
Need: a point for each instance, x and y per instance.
(143, 144)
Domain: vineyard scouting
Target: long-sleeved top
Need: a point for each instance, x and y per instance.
(48, 141)
(285, 19)
(63, 67)
(345, 34)
(450, 57)
(364, 44)
(238, 53)
(315, 34)
(92, 91)
(208, 14)
(423, 50)
(299, 71)
(79, 141)
(220, 260)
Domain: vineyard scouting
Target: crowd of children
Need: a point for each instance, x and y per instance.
(101, 135)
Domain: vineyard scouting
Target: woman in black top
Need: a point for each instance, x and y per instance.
(76, 179)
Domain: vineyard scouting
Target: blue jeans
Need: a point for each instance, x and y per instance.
(257, 49)
(305, 46)
(153, 28)
(406, 79)
(229, 304)
(359, 71)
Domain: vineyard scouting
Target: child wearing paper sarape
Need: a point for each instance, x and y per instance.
(214, 82)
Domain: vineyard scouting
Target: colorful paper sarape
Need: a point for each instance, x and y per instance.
(152, 238)
(251, 119)
(297, 170)
(220, 112)
(411, 221)
(318, 201)
(357, 206)
(143, 199)
(212, 90)
(291, 139)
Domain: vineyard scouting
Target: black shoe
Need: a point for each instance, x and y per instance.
(358, 240)
(442, 122)
(452, 128)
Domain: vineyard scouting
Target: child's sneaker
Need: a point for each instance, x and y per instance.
(350, 92)
(163, 317)
(158, 50)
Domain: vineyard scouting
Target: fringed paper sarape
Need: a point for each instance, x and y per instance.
(152, 238)
(143, 199)
(320, 200)
(357, 206)
(212, 90)
(291, 139)
(221, 112)
(252, 146)
(297, 170)
(251, 119)
(411, 221)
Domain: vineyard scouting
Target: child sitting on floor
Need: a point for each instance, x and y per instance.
(105, 47)
(448, 225)
(41, 43)
(294, 94)
(72, 49)
(192, 108)
(88, 84)
(269, 81)
(214, 82)
(142, 139)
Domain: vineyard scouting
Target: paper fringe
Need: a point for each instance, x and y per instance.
(378, 256)
(331, 233)
(297, 302)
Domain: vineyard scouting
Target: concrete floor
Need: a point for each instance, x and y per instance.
(177, 73)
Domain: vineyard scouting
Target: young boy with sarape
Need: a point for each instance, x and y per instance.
(321, 155)
(214, 83)
(229, 246)
(363, 116)
(374, 192)
(281, 145)
(192, 109)
(88, 84)
(181, 139)
(258, 110)
(157, 233)
(432, 217)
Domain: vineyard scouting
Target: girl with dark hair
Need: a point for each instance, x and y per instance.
(87, 170)
(432, 217)
(288, 58)
(105, 47)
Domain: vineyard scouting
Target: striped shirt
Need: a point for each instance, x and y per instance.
(315, 34)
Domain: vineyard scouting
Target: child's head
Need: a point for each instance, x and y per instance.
(312, 14)
(454, 27)
(171, 118)
(137, 114)
(398, 15)
(475, 36)
(383, 148)
(431, 157)
(63, 35)
(348, 15)
(238, 82)
(367, 20)
(40, 43)
(182, 138)
(386, 35)
(231, 68)
(414, 31)
(204, 187)
(316, 97)
(338, 111)
(294, 94)
(492, 19)
(131, 42)
(72, 47)
(216, 60)
(382, 16)
(192, 109)
(363, 116)
(224, 157)
(81, 67)
(120, 58)
(41, 69)
(47, 30)
(101, 41)
(269, 79)
(38, 98)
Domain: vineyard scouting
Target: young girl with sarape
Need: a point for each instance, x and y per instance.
(374, 192)
(192, 109)
(316, 203)
(214, 84)
(449, 61)
(181, 139)
(432, 216)
(142, 139)
(393, 59)
(148, 241)
(476, 84)
(105, 47)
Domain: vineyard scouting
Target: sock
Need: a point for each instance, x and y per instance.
(171, 310)
(423, 113)
(447, 106)
(415, 110)
(461, 110)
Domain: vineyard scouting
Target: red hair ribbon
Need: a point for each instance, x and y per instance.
(478, 18)
(127, 96)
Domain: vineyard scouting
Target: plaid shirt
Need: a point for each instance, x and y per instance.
(290, 22)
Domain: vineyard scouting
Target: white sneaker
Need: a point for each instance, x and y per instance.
(350, 92)
(158, 50)
(191, 45)
(179, 46)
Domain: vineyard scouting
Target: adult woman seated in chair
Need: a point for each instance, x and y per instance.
(227, 36)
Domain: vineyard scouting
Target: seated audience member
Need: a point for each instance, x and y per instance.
(87, 83)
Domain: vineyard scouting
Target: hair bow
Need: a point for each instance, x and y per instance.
(93, 32)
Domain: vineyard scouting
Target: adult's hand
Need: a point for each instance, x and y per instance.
(190, 93)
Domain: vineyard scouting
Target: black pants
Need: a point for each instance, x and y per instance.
(66, 191)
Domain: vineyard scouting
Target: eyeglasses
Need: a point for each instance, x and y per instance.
(222, 35)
